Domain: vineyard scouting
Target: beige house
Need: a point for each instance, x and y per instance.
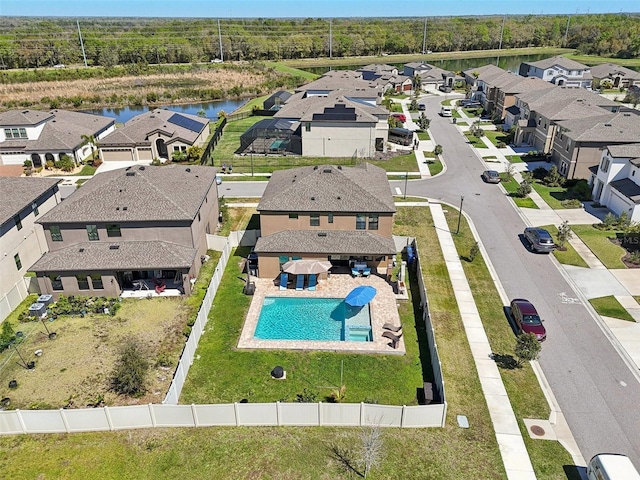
(578, 143)
(155, 134)
(130, 228)
(340, 214)
(482, 80)
(22, 240)
(431, 77)
(45, 136)
(618, 75)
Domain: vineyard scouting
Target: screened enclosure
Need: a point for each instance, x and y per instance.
(272, 136)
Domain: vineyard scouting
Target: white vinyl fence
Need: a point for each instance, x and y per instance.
(16, 295)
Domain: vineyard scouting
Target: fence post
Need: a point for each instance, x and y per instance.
(108, 417)
(64, 420)
(236, 413)
(320, 419)
(194, 414)
(361, 414)
(404, 409)
(278, 413)
(21, 420)
(152, 415)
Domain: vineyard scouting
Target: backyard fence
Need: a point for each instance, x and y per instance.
(15, 296)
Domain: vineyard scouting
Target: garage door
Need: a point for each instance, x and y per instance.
(116, 154)
(617, 203)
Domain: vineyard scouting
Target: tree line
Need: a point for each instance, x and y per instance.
(27, 42)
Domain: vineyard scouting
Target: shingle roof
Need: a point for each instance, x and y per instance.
(63, 129)
(338, 79)
(514, 84)
(614, 127)
(304, 108)
(486, 73)
(130, 255)
(172, 192)
(136, 131)
(629, 150)
(628, 188)
(343, 242)
(559, 60)
(328, 188)
(609, 70)
(560, 103)
(20, 192)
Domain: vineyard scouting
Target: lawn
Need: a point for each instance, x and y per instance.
(435, 167)
(496, 137)
(511, 187)
(296, 72)
(598, 241)
(552, 195)
(424, 135)
(610, 307)
(474, 141)
(569, 256)
(87, 170)
(514, 158)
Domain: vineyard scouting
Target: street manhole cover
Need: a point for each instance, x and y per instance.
(537, 430)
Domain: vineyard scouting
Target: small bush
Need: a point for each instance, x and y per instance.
(571, 203)
(539, 173)
(130, 371)
(523, 190)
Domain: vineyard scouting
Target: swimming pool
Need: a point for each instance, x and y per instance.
(296, 318)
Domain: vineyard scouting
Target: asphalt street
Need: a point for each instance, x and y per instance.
(595, 388)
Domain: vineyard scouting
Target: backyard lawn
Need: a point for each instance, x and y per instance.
(600, 244)
(610, 307)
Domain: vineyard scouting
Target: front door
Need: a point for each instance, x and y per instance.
(161, 148)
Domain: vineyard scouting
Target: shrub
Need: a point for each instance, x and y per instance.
(581, 190)
(564, 233)
(553, 178)
(49, 164)
(523, 190)
(179, 156)
(130, 371)
(571, 203)
(539, 173)
(65, 163)
(527, 348)
(474, 251)
(27, 164)
(7, 335)
(438, 150)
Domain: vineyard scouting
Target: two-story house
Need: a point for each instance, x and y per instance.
(22, 240)
(578, 143)
(44, 136)
(431, 77)
(326, 212)
(617, 181)
(618, 75)
(129, 227)
(508, 87)
(559, 71)
(481, 80)
(155, 134)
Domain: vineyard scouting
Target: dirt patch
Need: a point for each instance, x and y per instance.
(74, 369)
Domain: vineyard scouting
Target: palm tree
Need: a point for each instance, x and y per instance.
(89, 140)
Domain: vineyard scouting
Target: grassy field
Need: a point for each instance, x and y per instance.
(511, 187)
(610, 307)
(474, 141)
(552, 195)
(435, 167)
(496, 137)
(598, 241)
(569, 256)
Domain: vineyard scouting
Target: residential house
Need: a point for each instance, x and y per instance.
(578, 142)
(340, 80)
(616, 182)
(129, 227)
(560, 71)
(275, 101)
(154, 134)
(340, 214)
(481, 80)
(536, 113)
(431, 77)
(387, 76)
(22, 240)
(46, 136)
(618, 75)
(507, 87)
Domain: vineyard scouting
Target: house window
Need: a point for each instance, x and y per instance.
(314, 220)
(605, 165)
(56, 234)
(16, 258)
(330, 218)
(7, 133)
(361, 222)
(34, 207)
(92, 232)
(113, 231)
(373, 222)
(16, 219)
(96, 281)
(293, 216)
(198, 216)
(23, 133)
(307, 127)
(83, 282)
(179, 148)
(56, 282)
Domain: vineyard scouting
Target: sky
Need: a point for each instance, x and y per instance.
(305, 8)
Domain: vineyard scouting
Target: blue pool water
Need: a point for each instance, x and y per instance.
(295, 318)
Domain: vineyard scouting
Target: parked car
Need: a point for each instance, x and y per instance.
(218, 179)
(539, 239)
(446, 111)
(527, 318)
(466, 103)
(445, 88)
(422, 107)
(400, 117)
(491, 176)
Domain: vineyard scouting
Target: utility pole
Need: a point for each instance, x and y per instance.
(566, 31)
(220, 40)
(500, 45)
(424, 37)
(330, 41)
(84, 56)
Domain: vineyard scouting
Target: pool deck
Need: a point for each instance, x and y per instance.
(383, 310)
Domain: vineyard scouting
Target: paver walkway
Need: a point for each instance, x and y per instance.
(512, 448)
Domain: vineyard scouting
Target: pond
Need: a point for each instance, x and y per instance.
(211, 109)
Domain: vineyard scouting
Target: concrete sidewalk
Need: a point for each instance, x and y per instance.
(512, 447)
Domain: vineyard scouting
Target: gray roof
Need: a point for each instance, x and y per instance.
(514, 84)
(486, 73)
(337, 80)
(136, 255)
(560, 103)
(628, 188)
(62, 131)
(610, 70)
(165, 193)
(614, 128)
(343, 242)
(137, 130)
(559, 60)
(303, 109)
(629, 150)
(328, 188)
(20, 192)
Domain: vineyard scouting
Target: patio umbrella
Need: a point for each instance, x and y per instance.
(360, 296)
(306, 267)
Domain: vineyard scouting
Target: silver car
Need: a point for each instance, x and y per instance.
(539, 239)
(491, 176)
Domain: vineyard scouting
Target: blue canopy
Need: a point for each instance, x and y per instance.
(360, 296)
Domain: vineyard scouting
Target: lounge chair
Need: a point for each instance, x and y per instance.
(366, 272)
(313, 281)
(284, 279)
(392, 327)
(300, 282)
(355, 272)
(395, 339)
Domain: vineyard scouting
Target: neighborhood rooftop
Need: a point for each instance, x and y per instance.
(345, 242)
(141, 193)
(560, 61)
(20, 192)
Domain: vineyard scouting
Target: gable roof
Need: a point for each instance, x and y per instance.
(344, 242)
(610, 70)
(20, 192)
(303, 108)
(337, 80)
(327, 188)
(23, 118)
(184, 127)
(512, 83)
(486, 73)
(628, 150)
(145, 193)
(614, 127)
(560, 103)
(559, 60)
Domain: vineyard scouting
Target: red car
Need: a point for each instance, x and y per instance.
(399, 116)
(527, 318)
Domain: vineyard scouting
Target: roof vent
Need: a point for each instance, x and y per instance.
(114, 247)
(118, 208)
(187, 170)
(326, 170)
(141, 168)
(607, 124)
(316, 167)
(81, 250)
(626, 114)
(339, 197)
(152, 116)
(339, 167)
(322, 234)
(125, 208)
(131, 174)
(313, 198)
